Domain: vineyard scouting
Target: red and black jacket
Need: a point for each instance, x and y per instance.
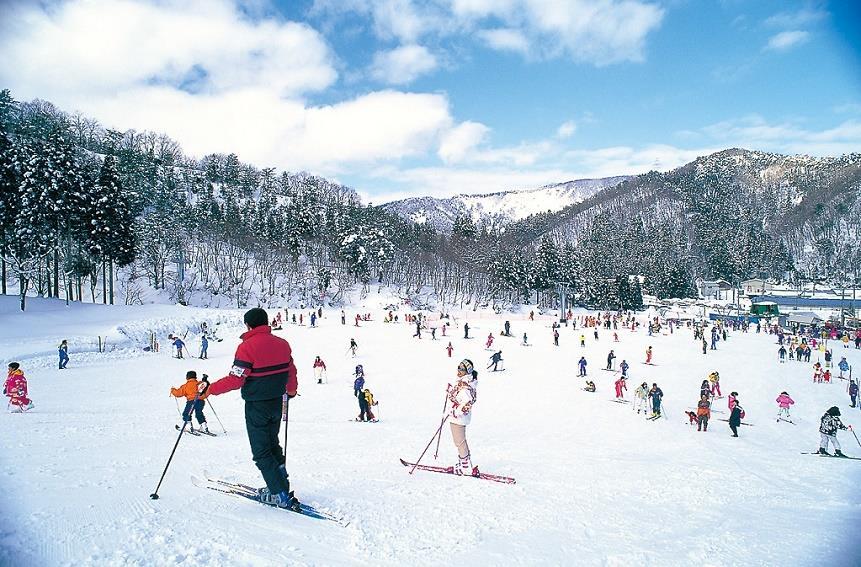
(263, 367)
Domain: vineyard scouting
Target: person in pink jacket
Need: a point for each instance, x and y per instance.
(731, 400)
(784, 401)
(15, 388)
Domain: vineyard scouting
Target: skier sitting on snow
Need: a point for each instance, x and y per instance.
(590, 386)
(828, 427)
(15, 388)
(462, 396)
(641, 395)
(194, 399)
(784, 401)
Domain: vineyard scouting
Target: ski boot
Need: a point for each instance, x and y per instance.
(838, 453)
(283, 499)
(822, 451)
(464, 467)
(203, 427)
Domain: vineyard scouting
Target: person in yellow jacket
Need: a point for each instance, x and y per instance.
(366, 401)
(194, 398)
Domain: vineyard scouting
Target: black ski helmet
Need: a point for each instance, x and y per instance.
(834, 411)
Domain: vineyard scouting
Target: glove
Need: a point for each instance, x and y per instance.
(201, 388)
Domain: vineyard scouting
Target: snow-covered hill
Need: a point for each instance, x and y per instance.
(499, 208)
(596, 483)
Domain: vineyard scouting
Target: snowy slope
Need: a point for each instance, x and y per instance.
(498, 208)
(596, 484)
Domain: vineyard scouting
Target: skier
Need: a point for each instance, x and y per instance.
(596, 333)
(828, 357)
(582, 341)
(194, 399)
(705, 346)
(620, 385)
(418, 332)
(449, 348)
(826, 376)
(703, 413)
(343, 317)
(705, 389)
(817, 372)
(466, 330)
(264, 370)
(582, 364)
(525, 340)
(319, 368)
(610, 358)
(489, 342)
(495, 360)
(590, 386)
(177, 342)
(828, 427)
(714, 380)
(433, 333)
(555, 337)
(656, 394)
(313, 319)
(15, 388)
(853, 393)
(63, 351)
(843, 366)
(782, 354)
(353, 347)
(641, 395)
(649, 355)
(204, 347)
(735, 417)
(784, 401)
(624, 368)
(366, 400)
(730, 402)
(462, 396)
(359, 382)
(615, 337)
(507, 329)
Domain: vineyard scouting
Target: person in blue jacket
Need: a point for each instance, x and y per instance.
(582, 364)
(624, 367)
(179, 344)
(656, 394)
(204, 346)
(843, 366)
(63, 350)
(853, 392)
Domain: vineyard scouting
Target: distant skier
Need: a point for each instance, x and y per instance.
(590, 386)
(507, 329)
(828, 426)
(714, 380)
(466, 330)
(449, 348)
(705, 346)
(656, 395)
(359, 382)
(366, 401)
(489, 341)
(641, 398)
(15, 388)
(319, 368)
(705, 388)
(418, 332)
(843, 366)
(582, 364)
(63, 351)
(204, 347)
(461, 397)
(649, 355)
(555, 337)
(782, 354)
(353, 347)
(582, 341)
(610, 358)
(784, 401)
(853, 393)
(735, 417)
(343, 317)
(194, 399)
(703, 413)
(495, 360)
(313, 319)
(620, 386)
(179, 345)
(525, 340)
(624, 368)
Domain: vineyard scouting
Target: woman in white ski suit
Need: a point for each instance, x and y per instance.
(461, 397)
(641, 398)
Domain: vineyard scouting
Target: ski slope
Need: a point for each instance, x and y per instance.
(596, 484)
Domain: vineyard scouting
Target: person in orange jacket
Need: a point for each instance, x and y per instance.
(194, 398)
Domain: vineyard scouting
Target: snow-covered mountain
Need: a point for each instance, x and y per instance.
(499, 208)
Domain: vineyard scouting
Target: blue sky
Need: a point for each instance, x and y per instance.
(400, 97)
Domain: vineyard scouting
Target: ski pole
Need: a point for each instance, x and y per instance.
(856, 437)
(175, 399)
(286, 422)
(216, 417)
(438, 432)
(154, 495)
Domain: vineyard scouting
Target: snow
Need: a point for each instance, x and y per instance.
(596, 484)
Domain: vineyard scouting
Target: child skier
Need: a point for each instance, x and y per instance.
(703, 413)
(462, 396)
(489, 342)
(705, 389)
(656, 394)
(853, 392)
(366, 400)
(782, 354)
(319, 368)
(194, 399)
(620, 385)
(641, 395)
(15, 388)
(730, 401)
(63, 351)
(784, 401)
(177, 342)
(359, 382)
(817, 372)
(204, 347)
(449, 348)
(828, 427)
(843, 366)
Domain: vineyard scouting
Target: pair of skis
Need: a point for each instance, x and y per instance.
(450, 470)
(250, 493)
(830, 455)
(197, 432)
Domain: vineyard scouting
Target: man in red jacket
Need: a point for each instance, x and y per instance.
(263, 369)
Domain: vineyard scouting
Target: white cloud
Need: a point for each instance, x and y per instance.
(458, 142)
(505, 39)
(755, 133)
(566, 130)
(403, 65)
(787, 39)
(797, 19)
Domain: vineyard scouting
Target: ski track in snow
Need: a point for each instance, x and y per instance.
(596, 483)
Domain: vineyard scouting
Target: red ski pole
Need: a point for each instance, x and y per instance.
(439, 433)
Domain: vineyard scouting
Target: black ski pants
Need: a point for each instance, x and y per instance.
(263, 422)
(197, 406)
